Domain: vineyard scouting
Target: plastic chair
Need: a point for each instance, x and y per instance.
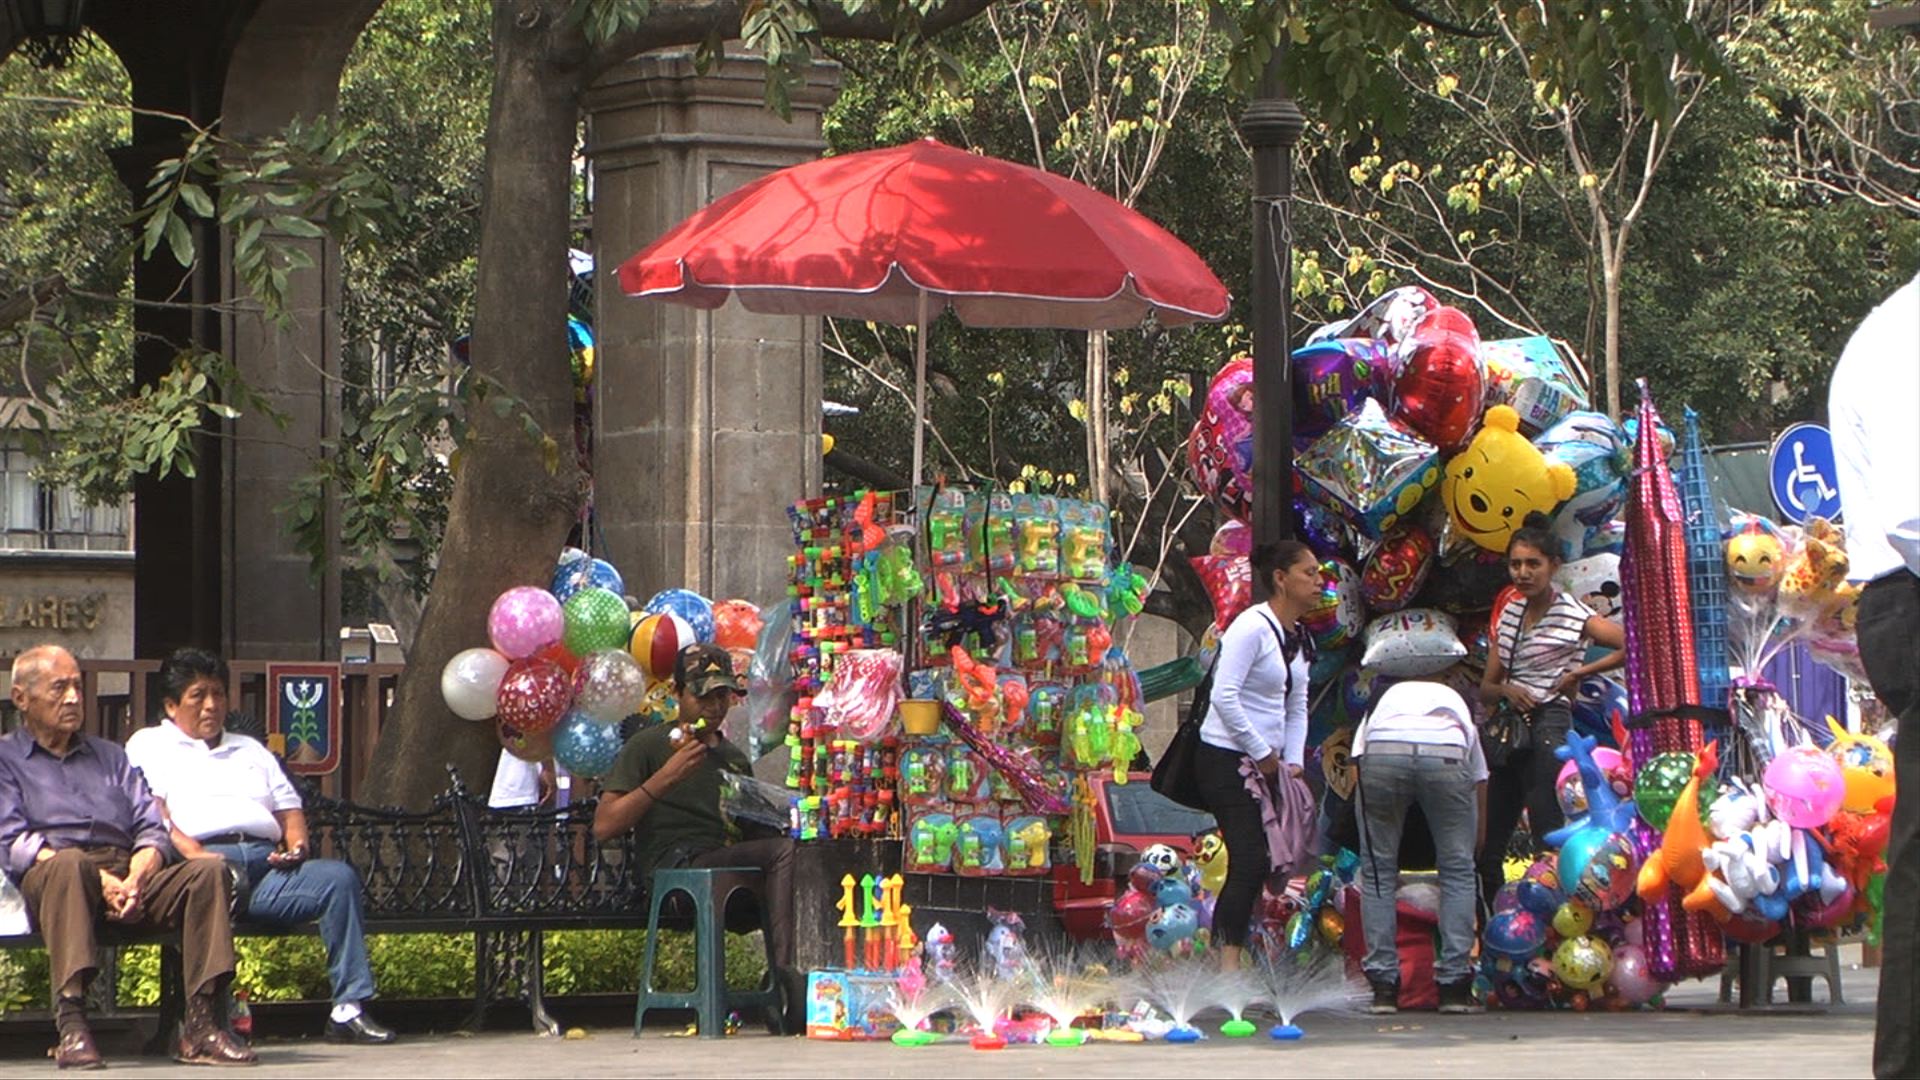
(709, 889)
(1790, 962)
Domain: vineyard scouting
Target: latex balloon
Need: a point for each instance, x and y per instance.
(1599, 868)
(656, 641)
(558, 653)
(609, 687)
(689, 605)
(736, 624)
(523, 620)
(1515, 933)
(595, 620)
(570, 578)
(1441, 382)
(1632, 978)
(534, 694)
(1492, 485)
(1331, 378)
(1220, 447)
(1337, 619)
(1397, 569)
(1573, 919)
(470, 682)
(586, 747)
(527, 746)
(1583, 963)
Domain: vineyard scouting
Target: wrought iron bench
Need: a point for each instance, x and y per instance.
(505, 876)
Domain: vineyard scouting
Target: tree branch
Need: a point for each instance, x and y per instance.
(690, 22)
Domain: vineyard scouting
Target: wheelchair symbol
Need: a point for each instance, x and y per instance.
(1808, 479)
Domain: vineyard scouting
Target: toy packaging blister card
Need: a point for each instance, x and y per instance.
(1038, 521)
(991, 521)
(947, 530)
(1027, 841)
(980, 850)
(923, 774)
(966, 775)
(931, 839)
(1046, 710)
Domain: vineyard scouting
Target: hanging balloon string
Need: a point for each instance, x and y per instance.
(1280, 240)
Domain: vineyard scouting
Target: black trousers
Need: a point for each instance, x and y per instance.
(1238, 814)
(1890, 650)
(1525, 782)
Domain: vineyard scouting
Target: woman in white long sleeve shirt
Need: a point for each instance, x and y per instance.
(1257, 711)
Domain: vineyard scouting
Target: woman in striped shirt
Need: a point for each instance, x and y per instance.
(1535, 665)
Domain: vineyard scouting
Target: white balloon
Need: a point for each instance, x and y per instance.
(609, 686)
(471, 681)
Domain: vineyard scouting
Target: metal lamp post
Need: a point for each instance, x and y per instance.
(49, 29)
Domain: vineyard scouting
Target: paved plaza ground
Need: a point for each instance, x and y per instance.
(1692, 1039)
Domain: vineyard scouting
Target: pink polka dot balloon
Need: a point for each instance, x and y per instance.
(523, 621)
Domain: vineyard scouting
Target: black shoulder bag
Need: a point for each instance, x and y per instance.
(1506, 731)
(1174, 775)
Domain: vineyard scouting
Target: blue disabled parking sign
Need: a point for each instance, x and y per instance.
(1801, 469)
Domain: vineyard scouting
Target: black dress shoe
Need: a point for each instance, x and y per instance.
(361, 1029)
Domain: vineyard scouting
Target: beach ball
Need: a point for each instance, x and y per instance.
(656, 640)
(1805, 787)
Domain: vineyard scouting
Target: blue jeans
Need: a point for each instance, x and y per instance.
(1444, 789)
(323, 890)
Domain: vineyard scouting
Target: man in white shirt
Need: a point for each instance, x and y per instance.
(225, 796)
(1419, 745)
(1873, 408)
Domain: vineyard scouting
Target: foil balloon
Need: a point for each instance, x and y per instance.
(1594, 581)
(1374, 469)
(1228, 580)
(1599, 707)
(1220, 447)
(534, 694)
(1598, 452)
(1336, 620)
(1571, 789)
(1755, 556)
(1583, 963)
(1397, 569)
(470, 682)
(1390, 318)
(1866, 768)
(523, 620)
(1232, 538)
(1492, 485)
(1330, 379)
(1598, 868)
(1414, 643)
(1440, 383)
(1325, 529)
(1573, 919)
(1531, 375)
(1811, 580)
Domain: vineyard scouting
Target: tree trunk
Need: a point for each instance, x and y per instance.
(1610, 282)
(510, 513)
(1098, 446)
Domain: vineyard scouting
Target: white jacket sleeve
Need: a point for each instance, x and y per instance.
(1296, 753)
(1238, 652)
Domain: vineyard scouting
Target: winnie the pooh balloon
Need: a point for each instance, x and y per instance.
(1492, 485)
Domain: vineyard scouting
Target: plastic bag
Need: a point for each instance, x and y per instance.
(770, 695)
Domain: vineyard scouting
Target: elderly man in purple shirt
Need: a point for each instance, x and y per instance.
(81, 836)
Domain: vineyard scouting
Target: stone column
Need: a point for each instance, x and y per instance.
(707, 423)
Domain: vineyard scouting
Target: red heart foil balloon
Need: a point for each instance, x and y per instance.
(1441, 383)
(1396, 569)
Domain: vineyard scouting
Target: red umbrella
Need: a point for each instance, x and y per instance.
(888, 234)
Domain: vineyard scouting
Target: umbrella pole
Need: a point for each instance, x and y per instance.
(920, 391)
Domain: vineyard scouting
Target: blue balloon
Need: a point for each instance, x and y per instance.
(571, 577)
(689, 605)
(1605, 809)
(584, 746)
(1597, 704)
(1515, 934)
(1598, 867)
(1171, 891)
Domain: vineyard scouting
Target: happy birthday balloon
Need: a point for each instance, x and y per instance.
(1397, 569)
(1441, 382)
(1330, 379)
(524, 620)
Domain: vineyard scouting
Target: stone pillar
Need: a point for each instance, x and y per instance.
(707, 423)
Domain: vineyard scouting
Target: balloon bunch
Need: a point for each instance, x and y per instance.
(1167, 905)
(1420, 448)
(1549, 944)
(568, 663)
(1789, 583)
(1309, 911)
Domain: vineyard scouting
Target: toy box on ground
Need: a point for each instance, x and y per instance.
(849, 1005)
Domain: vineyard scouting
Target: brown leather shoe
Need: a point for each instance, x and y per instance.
(76, 1050)
(203, 1041)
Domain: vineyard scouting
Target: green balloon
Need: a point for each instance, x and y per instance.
(596, 619)
(1658, 785)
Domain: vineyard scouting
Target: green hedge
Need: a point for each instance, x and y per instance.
(406, 966)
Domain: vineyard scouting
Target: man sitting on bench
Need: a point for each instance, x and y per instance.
(84, 839)
(668, 777)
